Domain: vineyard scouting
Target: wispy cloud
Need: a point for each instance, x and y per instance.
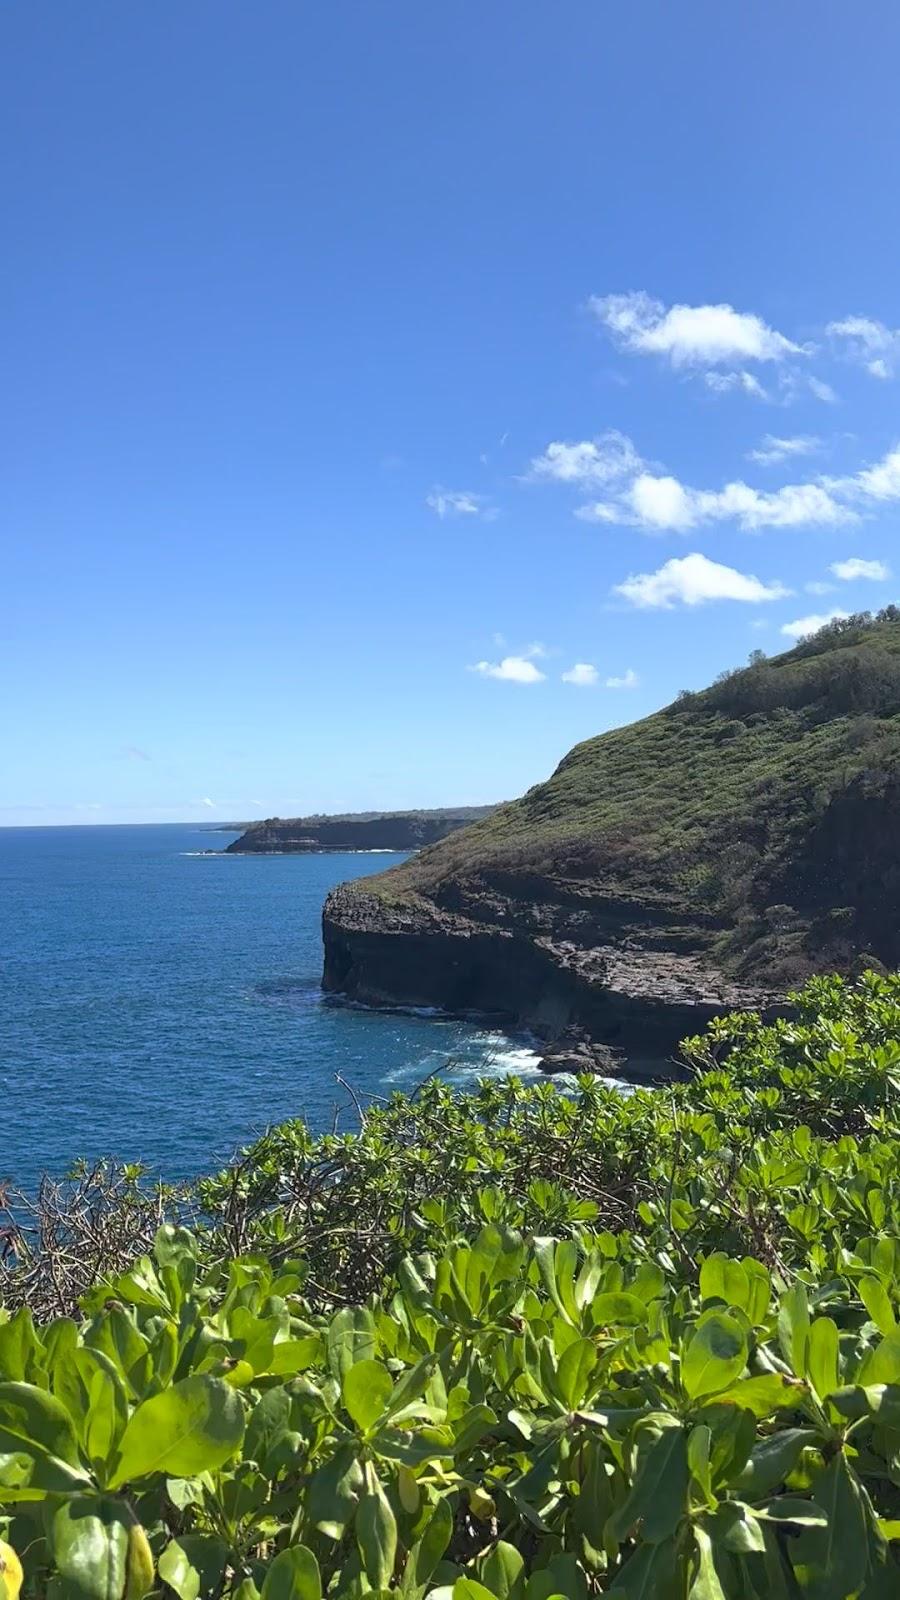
(822, 391)
(695, 580)
(802, 626)
(512, 669)
(135, 753)
(606, 459)
(583, 675)
(628, 680)
(690, 336)
(724, 382)
(771, 449)
(855, 567)
(869, 343)
(458, 503)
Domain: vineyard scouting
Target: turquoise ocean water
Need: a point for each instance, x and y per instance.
(162, 1005)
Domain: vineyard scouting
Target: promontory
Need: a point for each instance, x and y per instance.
(707, 857)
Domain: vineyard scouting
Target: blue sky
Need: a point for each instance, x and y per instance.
(395, 394)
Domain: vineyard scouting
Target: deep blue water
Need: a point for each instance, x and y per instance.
(162, 1005)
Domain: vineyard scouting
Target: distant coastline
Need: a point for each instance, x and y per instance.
(364, 831)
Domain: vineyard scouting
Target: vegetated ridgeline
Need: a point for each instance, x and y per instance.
(704, 858)
(362, 830)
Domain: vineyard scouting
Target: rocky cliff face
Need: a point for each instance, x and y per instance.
(387, 830)
(564, 971)
(705, 859)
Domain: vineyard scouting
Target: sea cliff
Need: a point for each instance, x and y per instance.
(686, 865)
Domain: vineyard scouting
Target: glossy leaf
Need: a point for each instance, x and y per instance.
(192, 1427)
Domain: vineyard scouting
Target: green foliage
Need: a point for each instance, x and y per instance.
(689, 1389)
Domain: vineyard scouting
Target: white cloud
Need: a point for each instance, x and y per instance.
(802, 626)
(817, 587)
(207, 802)
(882, 482)
(692, 581)
(879, 482)
(455, 503)
(855, 567)
(512, 669)
(583, 675)
(723, 382)
(822, 391)
(628, 680)
(771, 449)
(663, 503)
(868, 343)
(708, 335)
(609, 457)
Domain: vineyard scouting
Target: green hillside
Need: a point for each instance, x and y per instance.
(766, 807)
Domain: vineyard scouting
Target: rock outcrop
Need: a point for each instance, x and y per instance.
(702, 860)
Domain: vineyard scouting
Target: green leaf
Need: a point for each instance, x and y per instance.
(822, 1357)
(501, 1569)
(107, 1414)
(192, 1427)
(350, 1337)
(724, 1279)
(293, 1575)
(618, 1310)
(837, 1553)
(762, 1395)
(793, 1328)
(365, 1391)
(705, 1583)
(269, 1421)
(658, 1495)
(652, 1573)
(89, 1540)
(735, 1527)
(175, 1570)
(376, 1533)
(208, 1555)
(334, 1492)
(428, 1551)
(772, 1459)
(574, 1372)
(468, 1589)
(295, 1355)
(790, 1508)
(881, 1365)
(19, 1346)
(716, 1355)
(877, 1302)
(36, 1425)
(698, 1449)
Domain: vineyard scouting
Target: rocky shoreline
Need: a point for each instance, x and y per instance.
(601, 993)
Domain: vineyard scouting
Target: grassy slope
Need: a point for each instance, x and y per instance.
(718, 803)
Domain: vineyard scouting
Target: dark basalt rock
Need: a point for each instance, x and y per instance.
(618, 996)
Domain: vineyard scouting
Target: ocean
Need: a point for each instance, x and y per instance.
(160, 1004)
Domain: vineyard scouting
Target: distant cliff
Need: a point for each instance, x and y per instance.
(363, 830)
(707, 857)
